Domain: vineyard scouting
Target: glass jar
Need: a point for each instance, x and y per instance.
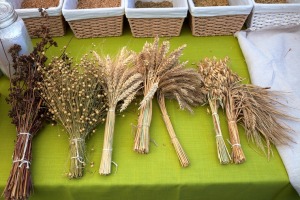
(12, 31)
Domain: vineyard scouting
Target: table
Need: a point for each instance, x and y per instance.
(157, 175)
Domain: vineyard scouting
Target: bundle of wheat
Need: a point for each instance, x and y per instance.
(217, 79)
(121, 82)
(164, 73)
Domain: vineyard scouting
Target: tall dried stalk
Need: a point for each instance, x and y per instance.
(121, 82)
(184, 85)
(75, 98)
(238, 156)
(257, 110)
(165, 74)
(215, 90)
(182, 156)
(154, 61)
(28, 113)
(222, 150)
(219, 82)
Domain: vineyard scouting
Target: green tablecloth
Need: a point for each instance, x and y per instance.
(157, 175)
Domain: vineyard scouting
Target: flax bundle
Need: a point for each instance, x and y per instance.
(121, 82)
(76, 100)
(28, 114)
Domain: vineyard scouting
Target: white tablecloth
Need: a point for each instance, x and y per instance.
(273, 59)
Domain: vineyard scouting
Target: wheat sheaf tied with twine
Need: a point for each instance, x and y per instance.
(164, 74)
(216, 79)
(183, 85)
(259, 112)
(121, 82)
(75, 97)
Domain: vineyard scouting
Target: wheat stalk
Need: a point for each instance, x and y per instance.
(121, 83)
(214, 89)
(165, 75)
(182, 156)
(153, 62)
(257, 111)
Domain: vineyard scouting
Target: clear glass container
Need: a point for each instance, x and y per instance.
(12, 31)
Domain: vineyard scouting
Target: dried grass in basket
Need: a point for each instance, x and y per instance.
(121, 82)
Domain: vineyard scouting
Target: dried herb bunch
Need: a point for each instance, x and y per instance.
(121, 82)
(162, 70)
(28, 113)
(217, 78)
(183, 85)
(75, 97)
(258, 111)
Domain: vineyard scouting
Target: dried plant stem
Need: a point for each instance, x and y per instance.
(182, 156)
(19, 184)
(77, 149)
(223, 153)
(142, 137)
(105, 165)
(237, 153)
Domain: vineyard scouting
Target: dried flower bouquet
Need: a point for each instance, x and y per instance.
(28, 113)
(121, 82)
(75, 97)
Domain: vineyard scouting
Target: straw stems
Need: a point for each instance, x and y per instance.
(223, 153)
(237, 153)
(19, 184)
(142, 137)
(105, 165)
(182, 156)
(77, 149)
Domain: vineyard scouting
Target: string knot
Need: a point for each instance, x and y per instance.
(23, 160)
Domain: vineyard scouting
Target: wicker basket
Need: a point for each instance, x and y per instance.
(94, 22)
(33, 20)
(219, 20)
(274, 15)
(150, 22)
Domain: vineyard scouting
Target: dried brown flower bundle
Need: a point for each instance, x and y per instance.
(121, 82)
(217, 78)
(183, 85)
(257, 109)
(75, 97)
(28, 114)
